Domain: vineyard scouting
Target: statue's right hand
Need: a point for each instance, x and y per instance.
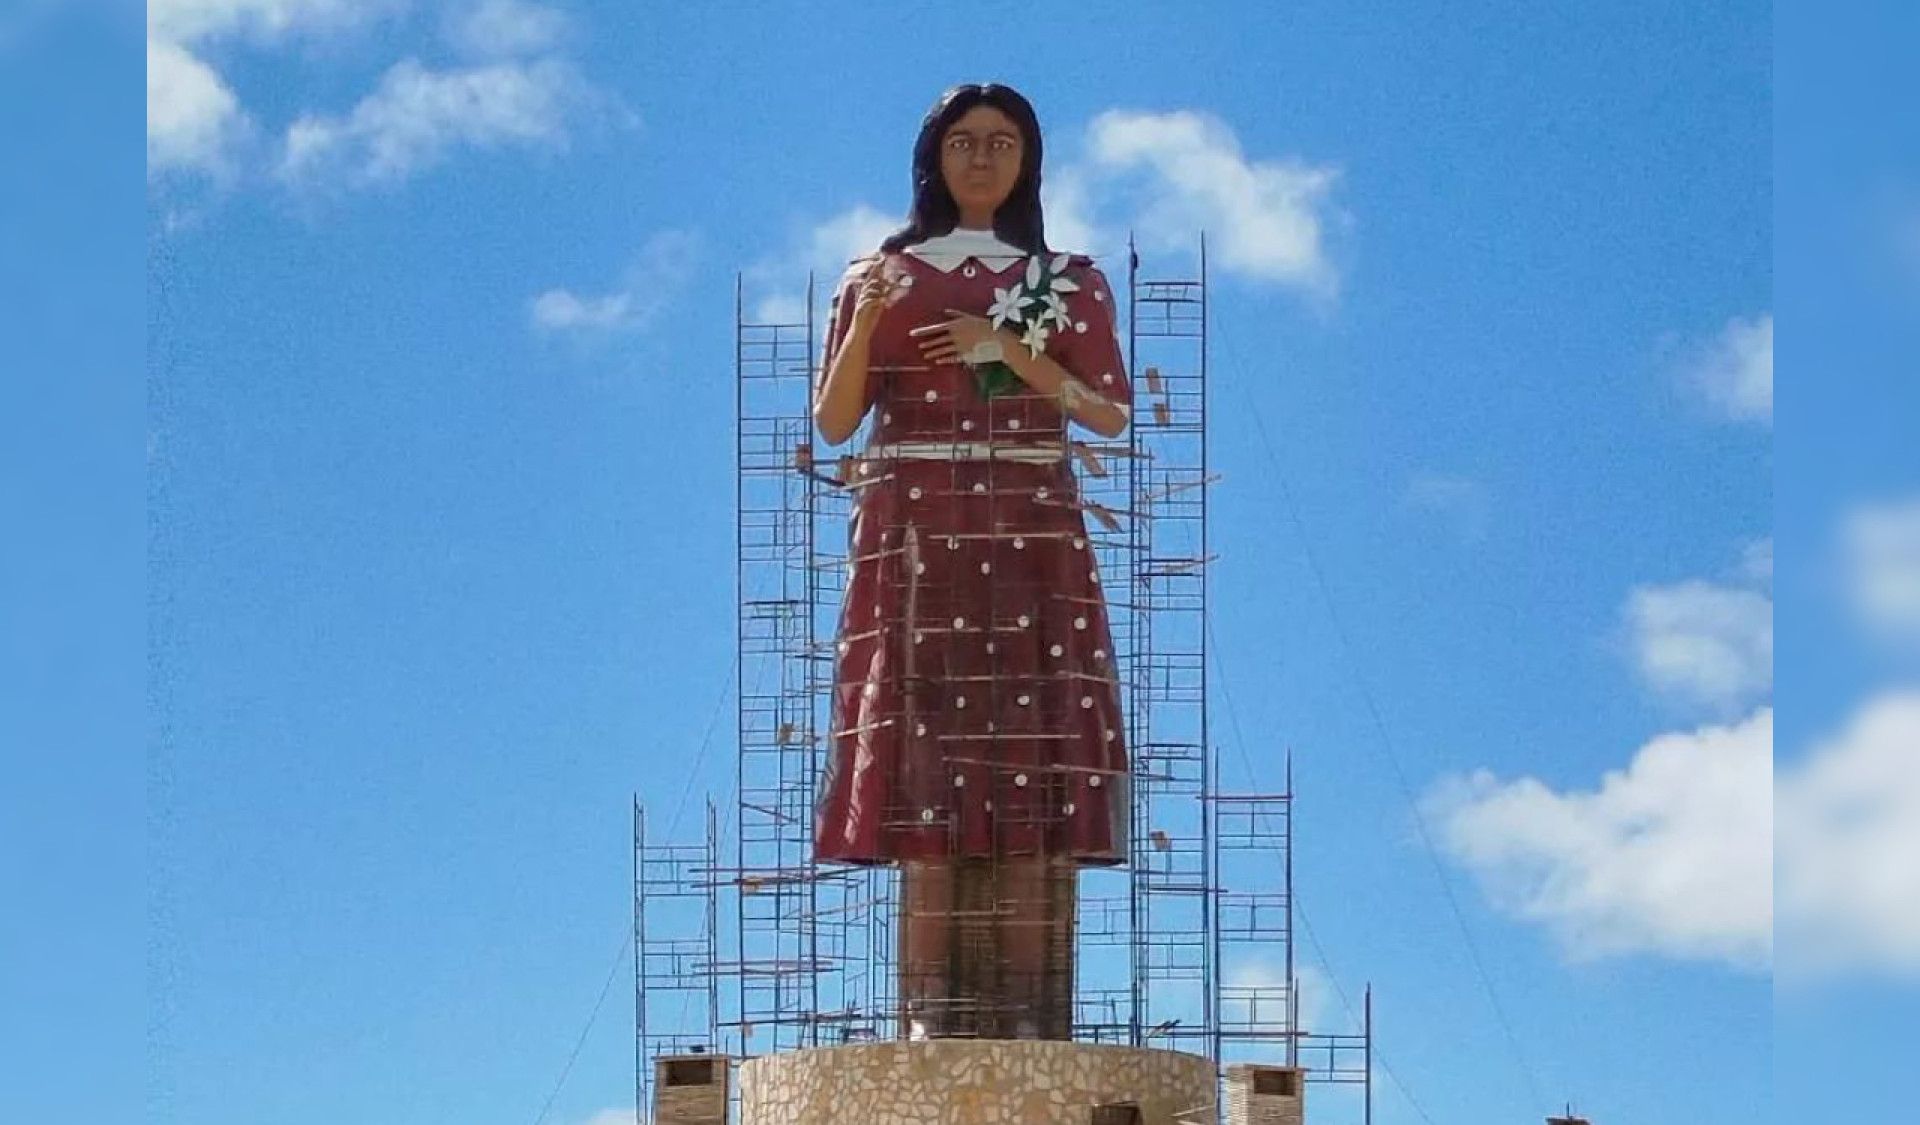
(872, 297)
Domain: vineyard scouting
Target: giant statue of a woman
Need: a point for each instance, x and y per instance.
(977, 735)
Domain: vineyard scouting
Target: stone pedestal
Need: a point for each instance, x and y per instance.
(977, 1082)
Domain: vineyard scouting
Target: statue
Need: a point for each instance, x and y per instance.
(977, 738)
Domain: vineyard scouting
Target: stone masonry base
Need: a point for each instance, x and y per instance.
(975, 1082)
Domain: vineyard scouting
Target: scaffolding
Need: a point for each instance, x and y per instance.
(805, 960)
(676, 1001)
(1187, 946)
(1172, 889)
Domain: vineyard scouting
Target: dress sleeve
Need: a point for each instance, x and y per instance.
(1096, 356)
(839, 323)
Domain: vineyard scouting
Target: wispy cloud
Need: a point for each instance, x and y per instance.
(1462, 503)
(196, 123)
(1314, 1002)
(1165, 177)
(514, 90)
(504, 28)
(190, 21)
(1672, 856)
(1703, 643)
(560, 310)
(775, 284)
(417, 117)
(1880, 551)
(1733, 372)
(193, 119)
(649, 287)
(1756, 563)
(1067, 198)
(1171, 174)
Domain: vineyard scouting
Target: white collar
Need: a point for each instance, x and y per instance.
(946, 252)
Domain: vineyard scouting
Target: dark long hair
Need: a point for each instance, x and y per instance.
(1019, 220)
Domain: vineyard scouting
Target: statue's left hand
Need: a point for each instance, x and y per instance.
(964, 339)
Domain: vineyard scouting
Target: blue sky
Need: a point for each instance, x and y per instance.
(71, 581)
(439, 452)
(1847, 180)
(439, 325)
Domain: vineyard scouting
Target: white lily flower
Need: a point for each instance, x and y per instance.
(1060, 262)
(1033, 272)
(1056, 310)
(1063, 284)
(1006, 305)
(1036, 336)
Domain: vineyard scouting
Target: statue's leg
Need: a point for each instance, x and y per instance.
(1063, 916)
(1037, 907)
(926, 948)
(986, 948)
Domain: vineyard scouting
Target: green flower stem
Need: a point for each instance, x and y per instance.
(995, 379)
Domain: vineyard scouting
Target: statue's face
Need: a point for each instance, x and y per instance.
(980, 159)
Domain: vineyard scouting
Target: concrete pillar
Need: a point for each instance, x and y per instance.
(690, 1090)
(1266, 1095)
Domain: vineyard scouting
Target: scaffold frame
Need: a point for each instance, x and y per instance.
(761, 949)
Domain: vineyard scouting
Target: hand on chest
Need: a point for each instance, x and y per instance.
(926, 296)
(944, 401)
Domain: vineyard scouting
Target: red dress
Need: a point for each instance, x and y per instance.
(976, 709)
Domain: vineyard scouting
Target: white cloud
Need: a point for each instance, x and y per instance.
(1319, 1008)
(193, 119)
(785, 308)
(523, 95)
(1164, 176)
(1181, 172)
(504, 28)
(854, 233)
(189, 21)
(417, 117)
(1315, 1003)
(656, 278)
(1880, 545)
(558, 310)
(612, 1117)
(1707, 643)
(1460, 501)
(1067, 197)
(1703, 643)
(1849, 838)
(1733, 372)
(826, 249)
(1673, 856)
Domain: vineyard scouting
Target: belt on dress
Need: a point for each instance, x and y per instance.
(1040, 454)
